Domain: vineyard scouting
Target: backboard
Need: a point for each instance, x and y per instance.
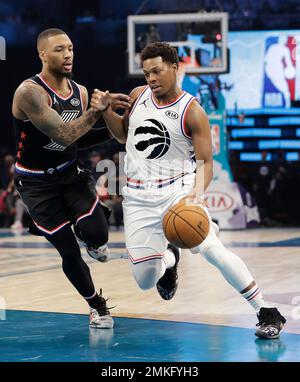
(200, 39)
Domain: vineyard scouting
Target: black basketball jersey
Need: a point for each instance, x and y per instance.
(34, 149)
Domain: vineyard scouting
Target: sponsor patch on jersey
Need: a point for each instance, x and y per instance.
(172, 114)
(75, 102)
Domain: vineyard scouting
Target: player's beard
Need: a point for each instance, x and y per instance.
(68, 75)
(61, 74)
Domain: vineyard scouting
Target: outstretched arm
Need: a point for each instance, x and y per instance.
(32, 101)
(97, 136)
(118, 125)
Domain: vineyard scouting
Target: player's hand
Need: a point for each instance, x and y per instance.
(195, 197)
(120, 101)
(100, 100)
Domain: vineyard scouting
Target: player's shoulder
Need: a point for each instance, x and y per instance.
(195, 111)
(194, 104)
(81, 87)
(29, 84)
(28, 88)
(137, 91)
(29, 96)
(77, 84)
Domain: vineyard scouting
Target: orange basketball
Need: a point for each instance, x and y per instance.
(186, 225)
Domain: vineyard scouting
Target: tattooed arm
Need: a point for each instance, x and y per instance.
(31, 102)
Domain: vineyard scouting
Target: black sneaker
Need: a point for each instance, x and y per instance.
(167, 285)
(270, 323)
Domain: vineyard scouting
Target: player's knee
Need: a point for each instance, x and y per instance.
(146, 276)
(147, 266)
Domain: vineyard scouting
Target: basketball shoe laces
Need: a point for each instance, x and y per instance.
(100, 317)
(102, 309)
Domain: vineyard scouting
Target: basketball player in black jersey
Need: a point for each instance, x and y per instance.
(52, 122)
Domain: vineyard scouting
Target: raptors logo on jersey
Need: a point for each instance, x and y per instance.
(153, 139)
(158, 144)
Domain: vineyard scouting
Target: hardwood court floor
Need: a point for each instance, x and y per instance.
(31, 279)
(206, 321)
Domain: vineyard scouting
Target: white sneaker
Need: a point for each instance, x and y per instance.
(103, 254)
(100, 317)
(99, 254)
(98, 321)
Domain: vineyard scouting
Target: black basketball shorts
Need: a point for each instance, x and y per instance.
(56, 200)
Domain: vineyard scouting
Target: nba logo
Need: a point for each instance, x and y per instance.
(215, 136)
(281, 80)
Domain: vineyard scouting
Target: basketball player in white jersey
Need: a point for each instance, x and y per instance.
(163, 128)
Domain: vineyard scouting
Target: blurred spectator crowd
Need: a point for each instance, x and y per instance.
(12, 208)
(274, 185)
(13, 212)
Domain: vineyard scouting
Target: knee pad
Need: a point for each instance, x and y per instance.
(147, 266)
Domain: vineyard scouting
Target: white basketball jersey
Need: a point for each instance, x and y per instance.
(158, 146)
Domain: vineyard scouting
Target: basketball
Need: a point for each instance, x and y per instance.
(186, 225)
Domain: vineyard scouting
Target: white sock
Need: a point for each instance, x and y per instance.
(255, 298)
(168, 262)
(169, 258)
